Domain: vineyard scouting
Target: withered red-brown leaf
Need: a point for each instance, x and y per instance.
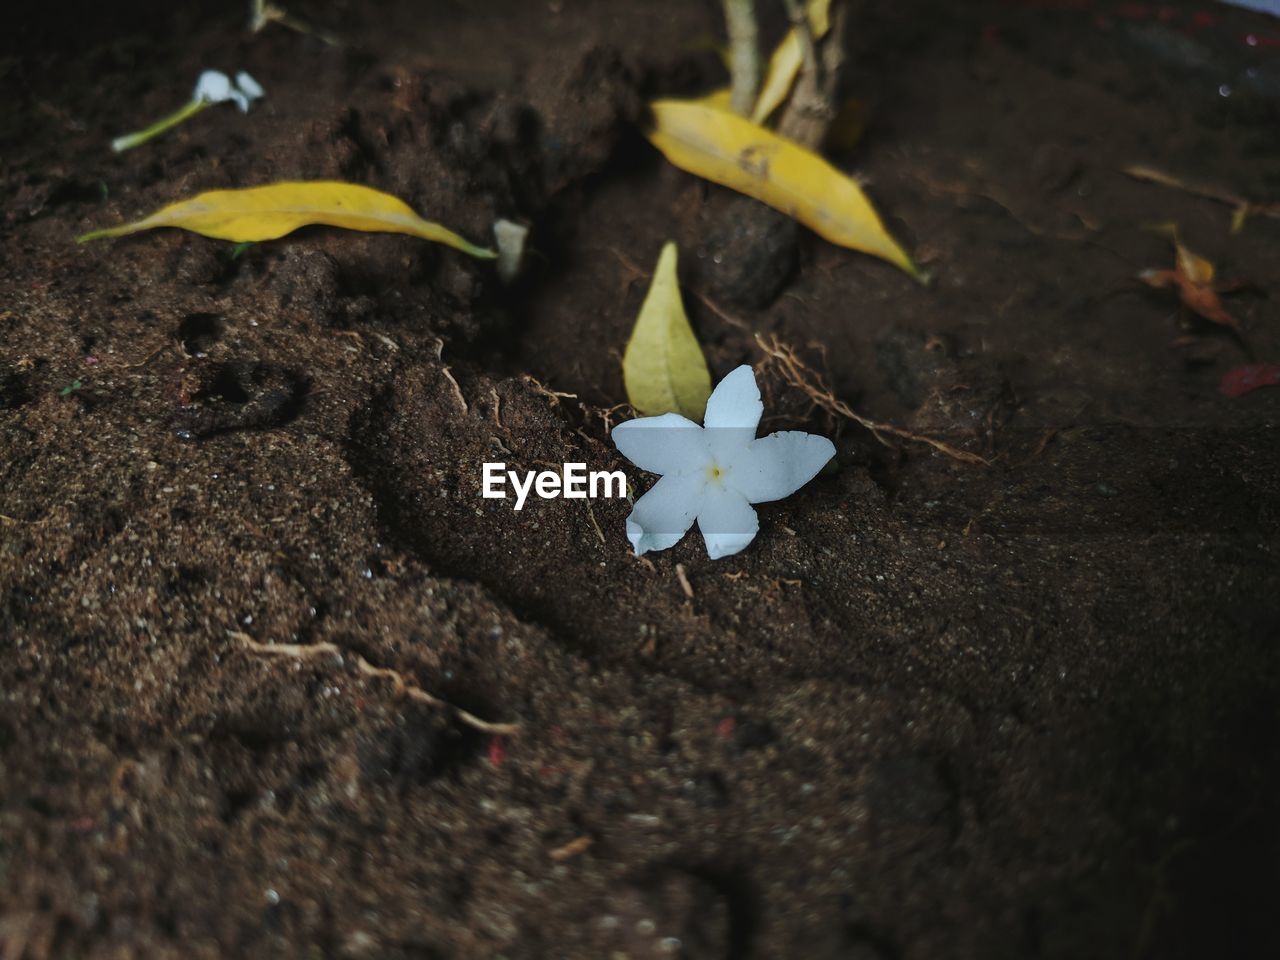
(1192, 277)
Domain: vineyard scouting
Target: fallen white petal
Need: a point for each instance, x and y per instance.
(666, 444)
(249, 86)
(778, 465)
(664, 515)
(727, 522)
(213, 86)
(735, 402)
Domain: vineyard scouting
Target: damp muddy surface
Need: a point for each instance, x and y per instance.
(936, 709)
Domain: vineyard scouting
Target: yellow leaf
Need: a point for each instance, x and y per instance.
(730, 150)
(718, 98)
(784, 65)
(663, 367)
(271, 211)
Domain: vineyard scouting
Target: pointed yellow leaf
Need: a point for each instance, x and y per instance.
(730, 150)
(271, 211)
(663, 367)
(784, 64)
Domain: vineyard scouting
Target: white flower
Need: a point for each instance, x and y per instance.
(214, 86)
(714, 473)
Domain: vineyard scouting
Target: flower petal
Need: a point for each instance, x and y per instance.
(212, 86)
(664, 514)
(666, 444)
(735, 402)
(778, 465)
(250, 87)
(727, 522)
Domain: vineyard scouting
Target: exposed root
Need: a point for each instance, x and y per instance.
(683, 577)
(387, 341)
(555, 395)
(497, 408)
(448, 375)
(403, 687)
(591, 514)
(638, 272)
(795, 372)
(1241, 206)
(1045, 439)
(721, 312)
(571, 849)
(149, 357)
(4, 518)
(607, 415)
(959, 188)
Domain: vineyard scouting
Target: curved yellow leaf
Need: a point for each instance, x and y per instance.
(663, 368)
(784, 64)
(730, 150)
(271, 211)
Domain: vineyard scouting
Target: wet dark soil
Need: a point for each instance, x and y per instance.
(1028, 709)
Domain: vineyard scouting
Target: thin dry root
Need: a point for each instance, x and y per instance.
(403, 687)
(795, 372)
(448, 375)
(683, 577)
(591, 514)
(555, 395)
(721, 312)
(1241, 206)
(570, 849)
(607, 415)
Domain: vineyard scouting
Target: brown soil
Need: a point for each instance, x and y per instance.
(935, 710)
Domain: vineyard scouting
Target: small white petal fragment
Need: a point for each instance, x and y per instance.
(509, 237)
(714, 473)
(778, 465)
(727, 522)
(735, 402)
(666, 444)
(664, 515)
